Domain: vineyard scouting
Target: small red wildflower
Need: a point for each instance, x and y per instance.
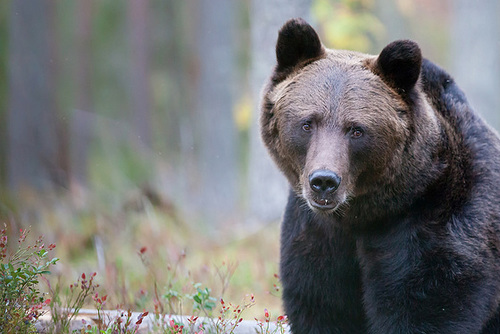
(141, 316)
(3, 241)
(23, 235)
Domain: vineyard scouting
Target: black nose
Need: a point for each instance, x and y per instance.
(324, 181)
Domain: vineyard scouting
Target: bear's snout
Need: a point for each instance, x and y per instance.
(323, 183)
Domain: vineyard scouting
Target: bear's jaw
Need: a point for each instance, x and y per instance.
(335, 204)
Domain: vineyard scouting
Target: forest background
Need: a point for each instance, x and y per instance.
(129, 125)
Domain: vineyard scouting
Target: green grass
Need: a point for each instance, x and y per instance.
(141, 253)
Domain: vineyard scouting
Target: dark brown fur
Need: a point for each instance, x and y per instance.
(408, 241)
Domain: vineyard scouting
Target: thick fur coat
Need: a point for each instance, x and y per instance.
(393, 218)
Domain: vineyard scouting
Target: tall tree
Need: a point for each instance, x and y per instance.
(82, 118)
(179, 56)
(217, 140)
(268, 188)
(476, 54)
(32, 123)
(139, 81)
(4, 29)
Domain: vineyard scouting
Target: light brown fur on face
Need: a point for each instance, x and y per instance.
(335, 94)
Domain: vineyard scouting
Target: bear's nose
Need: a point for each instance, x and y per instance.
(324, 181)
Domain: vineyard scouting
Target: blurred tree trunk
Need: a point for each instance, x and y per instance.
(268, 187)
(33, 157)
(396, 27)
(476, 55)
(82, 117)
(179, 130)
(4, 31)
(176, 58)
(139, 67)
(217, 140)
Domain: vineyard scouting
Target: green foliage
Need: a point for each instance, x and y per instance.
(220, 317)
(21, 301)
(202, 300)
(348, 24)
(19, 277)
(75, 299)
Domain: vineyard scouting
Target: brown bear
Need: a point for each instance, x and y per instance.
(393, 217)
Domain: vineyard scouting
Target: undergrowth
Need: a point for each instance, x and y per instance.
(181, 306)
(21, 303)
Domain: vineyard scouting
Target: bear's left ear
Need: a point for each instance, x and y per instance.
(399, 64)
(297, 43)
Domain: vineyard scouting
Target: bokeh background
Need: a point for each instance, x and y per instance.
(134, 123)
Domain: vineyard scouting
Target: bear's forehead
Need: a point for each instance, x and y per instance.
(338, 77)
(340, 85)
(336, 70)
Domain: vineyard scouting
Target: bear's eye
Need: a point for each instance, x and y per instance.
(356, 132)
(307, 127)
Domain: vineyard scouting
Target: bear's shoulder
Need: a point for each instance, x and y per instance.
(440, 87)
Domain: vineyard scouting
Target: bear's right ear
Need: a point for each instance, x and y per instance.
(399, 64)
(297, 43)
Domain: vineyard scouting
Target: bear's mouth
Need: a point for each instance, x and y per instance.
(325, 205)
(322, 204)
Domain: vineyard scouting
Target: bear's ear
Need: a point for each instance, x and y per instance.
(399, 64)
(297, 43)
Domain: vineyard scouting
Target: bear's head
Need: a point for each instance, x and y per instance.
(342, 124)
